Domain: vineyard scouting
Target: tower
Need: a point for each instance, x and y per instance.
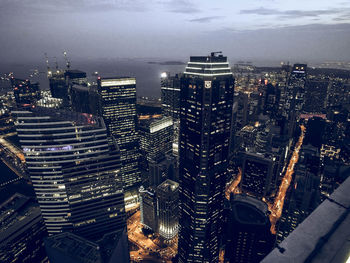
(207, 89)
(75, 171)
(118, 109)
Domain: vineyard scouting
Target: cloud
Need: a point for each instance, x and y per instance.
(181, 6)
(205, 19)
(293, 13)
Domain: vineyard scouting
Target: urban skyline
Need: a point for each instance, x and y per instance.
(174, 131)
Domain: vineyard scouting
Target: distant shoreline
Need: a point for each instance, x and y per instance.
(167, 63)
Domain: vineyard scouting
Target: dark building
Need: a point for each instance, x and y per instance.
(118, 109)
(85, 99)
(70, 248)
(61, 83)
(207, 90)
(22, 231)
(249, 238)
(25, 92)
(162, 169)
(148, 208)
(257, 174)
(75, 171)
(315, 96)
(168, 209)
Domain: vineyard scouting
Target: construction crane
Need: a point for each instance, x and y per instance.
(49, 72)
(66, 59)
(56, 64)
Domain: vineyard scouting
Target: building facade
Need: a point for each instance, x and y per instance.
(75, 171)
(118, 109)
(207, 89)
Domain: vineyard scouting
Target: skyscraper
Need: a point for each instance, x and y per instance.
(207, 89)
(249, 238)
(74, 169)
(168, 208)
(118, 109)
(170, 94)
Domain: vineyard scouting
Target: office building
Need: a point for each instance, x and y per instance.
(148, 208)
(162, 169)
(155, 138)
(85, 99)
(118, 109)
(257, 174)
(168, 209)
(170, 94)
(249, 238)
(61, 82)
(22, 231)
(70, 248)
(207, 89)
(75, 171)
(25, 92)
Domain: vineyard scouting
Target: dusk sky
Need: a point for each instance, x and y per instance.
(308, 30)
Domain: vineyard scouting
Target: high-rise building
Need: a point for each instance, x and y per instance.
(148, 208)
(316, 95)
(168, 209)
(118, 109)
(22, 231)
(155, 138)
(75, 171)
(61, 83)
(257, 174)
(170, 94)
(170, 97)
(249, 238)
(207, 90)
(25, 92)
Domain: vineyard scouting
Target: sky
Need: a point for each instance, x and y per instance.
(298, 30)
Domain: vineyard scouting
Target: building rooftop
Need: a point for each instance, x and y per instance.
(168, 186)
(74, 247)
(15, 215)
(323, 236)
(249, 210)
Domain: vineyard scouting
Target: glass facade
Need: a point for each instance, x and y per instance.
(118, 109)
(75, 171)
(207, 90)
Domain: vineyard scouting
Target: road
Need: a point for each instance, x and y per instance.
(277, 207)
(146, 245)
(233, 186)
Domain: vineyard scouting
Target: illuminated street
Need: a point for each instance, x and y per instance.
(232, 187)
(148, 249)
(276, 209)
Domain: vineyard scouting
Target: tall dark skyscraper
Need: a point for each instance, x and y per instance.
(170, 95)
(118, 109)
(75, 171)
(207, 89)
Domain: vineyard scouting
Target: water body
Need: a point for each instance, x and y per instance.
(147, 74)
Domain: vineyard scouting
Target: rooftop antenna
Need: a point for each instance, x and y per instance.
(216, 52)
(66, 59)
